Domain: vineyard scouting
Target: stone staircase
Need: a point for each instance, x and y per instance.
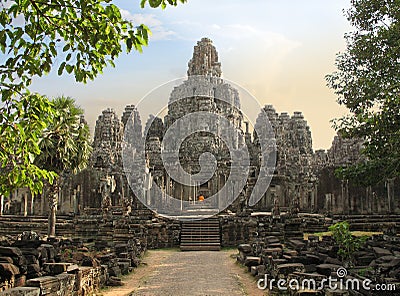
(16, 224)
(201, 235)
(369, 222)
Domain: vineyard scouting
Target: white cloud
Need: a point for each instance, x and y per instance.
(159, 32)
(251, 49)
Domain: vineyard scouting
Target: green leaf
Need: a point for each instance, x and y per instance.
(61, 68)
(66, 47)
(69, 68)
(129, 44)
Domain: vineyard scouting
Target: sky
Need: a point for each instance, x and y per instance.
(278, 50)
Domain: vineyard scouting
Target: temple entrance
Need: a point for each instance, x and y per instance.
(201, 235)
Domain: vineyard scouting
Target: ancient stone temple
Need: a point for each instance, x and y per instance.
(294, 182)
(303, 179)
(200, 153)
(199, 96)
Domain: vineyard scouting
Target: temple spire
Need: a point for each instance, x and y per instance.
(204, 60)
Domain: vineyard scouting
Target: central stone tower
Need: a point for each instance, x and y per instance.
(217, 103)
(205, 60)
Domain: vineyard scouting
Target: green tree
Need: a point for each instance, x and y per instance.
(367, 82)
(77, 37)
(21, 126)
(347, 243)
(64, 148)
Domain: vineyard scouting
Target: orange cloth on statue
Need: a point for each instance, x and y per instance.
(201, 198)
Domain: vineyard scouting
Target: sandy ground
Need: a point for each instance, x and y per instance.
(171, 272)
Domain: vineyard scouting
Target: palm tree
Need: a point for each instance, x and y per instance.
(65, 148)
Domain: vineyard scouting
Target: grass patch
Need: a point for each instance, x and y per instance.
(227, 249)
(328, 233)
(175, 249)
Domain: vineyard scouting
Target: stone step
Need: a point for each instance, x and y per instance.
(200, 248)
(201, 240)
(201, 235)
(203, 231)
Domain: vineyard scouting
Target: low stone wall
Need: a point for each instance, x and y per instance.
(64, 267)
(153, 232)
(315, 263)
(247, 229)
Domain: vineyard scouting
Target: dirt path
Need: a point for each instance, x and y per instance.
(171, 272)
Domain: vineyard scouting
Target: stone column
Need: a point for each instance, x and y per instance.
(25, 204)
(74, 201)
(315, 199)
(1, 204)
(390, 194)
(32, 204)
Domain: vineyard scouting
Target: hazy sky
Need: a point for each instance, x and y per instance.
(279, 50)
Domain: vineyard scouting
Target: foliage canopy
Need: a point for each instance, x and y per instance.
(367, 82)
(77, 37)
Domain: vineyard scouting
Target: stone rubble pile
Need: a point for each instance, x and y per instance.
(64, 266)
(271, 259)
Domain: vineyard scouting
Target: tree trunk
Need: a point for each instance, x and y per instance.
(25, 204)
(53, 199)
(1, 204)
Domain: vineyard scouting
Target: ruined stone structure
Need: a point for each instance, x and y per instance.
(98, 205)
(303, 179)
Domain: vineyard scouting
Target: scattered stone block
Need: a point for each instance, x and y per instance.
(49, 285)
(124, 266)
(56, 268)
(274, 252)
(67, 282)
(252, 261)
(8, 269)
(6, 260)
(253, 270)
(329, 292)
(245, 248)
(380, 252)
(283, 270)
(330, 260)
(21, 291)
(327, 269)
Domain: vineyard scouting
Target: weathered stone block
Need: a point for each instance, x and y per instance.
(20, 280)
(10, 252)
(124, 266)
(56, 268)
(380, 252)
(114, 271)
(67, 282)
(8, 269)
(330, 292)
(49, 285)
(31, 259)
(33, 244)
(253, 270)
(30, 251)
(51, 252)
(245, 248)
(33, 268)
(6, 259)
(21, 291)
(283, 270)
(252, 261)
(327, 269)
(274, 252)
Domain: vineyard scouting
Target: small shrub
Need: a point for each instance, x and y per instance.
(347, 243)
